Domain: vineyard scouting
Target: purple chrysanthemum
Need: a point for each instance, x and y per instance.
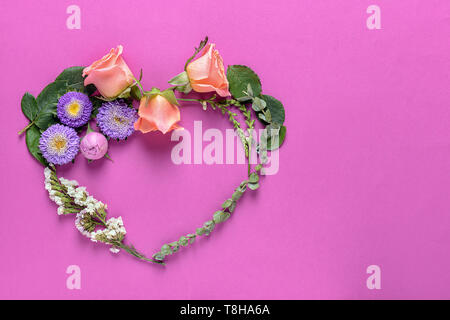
(59, 144)
(74, 109)
(116, 119)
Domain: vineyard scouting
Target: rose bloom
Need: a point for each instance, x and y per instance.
(94, 146)
(110, 74)
(207, 73)
(157, 114)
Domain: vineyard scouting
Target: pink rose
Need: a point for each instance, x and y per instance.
(157, 114)
(94, 145)
(110, 75)
(207, 73)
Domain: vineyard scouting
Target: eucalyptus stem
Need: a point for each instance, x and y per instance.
(219, 216)
(249, 155)
(229, 205)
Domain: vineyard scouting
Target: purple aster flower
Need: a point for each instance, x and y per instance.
(59, 144)
(74, 109)
(116, 119)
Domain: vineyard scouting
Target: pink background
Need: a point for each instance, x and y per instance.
(363, 173)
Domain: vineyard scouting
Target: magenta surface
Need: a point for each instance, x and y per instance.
(364, 172)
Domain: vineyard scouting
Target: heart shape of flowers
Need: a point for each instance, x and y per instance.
(104, 92)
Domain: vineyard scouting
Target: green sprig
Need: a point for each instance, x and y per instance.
(229, 205)
(208, 227)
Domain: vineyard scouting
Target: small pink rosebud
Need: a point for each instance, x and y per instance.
(94, 146)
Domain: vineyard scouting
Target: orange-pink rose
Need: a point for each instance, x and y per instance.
(207, 73)
(157, 114)
(110, 75)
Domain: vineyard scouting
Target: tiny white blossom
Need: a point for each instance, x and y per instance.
(79, 225)
(60, 210)
(99, 205)
(114, 249)
(68, 183)
(47, 173)
(57, 200)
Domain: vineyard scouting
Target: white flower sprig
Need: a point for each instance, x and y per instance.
(90, 213)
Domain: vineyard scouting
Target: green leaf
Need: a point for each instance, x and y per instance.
(281, 136)
(136, 93)
(125, 94)
(158, 256)
(170, 96)
(180, 79)
(166, 250)
(185, 89)
(220, 216)
(249, 91)
(227, 203)
(253, 186)
(239, 77)
(32, 139)
(217, 217)
(262, 117)
(45, 120)
(152, 92)
(183, 241)
(253, 178)
(276, 109)
(191, 238)
(258, 104)
(200, 231)
(237, 195)
(29, 106)
(47, 101)
(175, 246)
(74, 78)
(96, 104)
(209, 226)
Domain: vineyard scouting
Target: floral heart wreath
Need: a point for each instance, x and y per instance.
(104, 92)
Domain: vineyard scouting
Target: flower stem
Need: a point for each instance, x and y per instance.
(193, 100)
(249, 155)
(131, 250)
(138, 83)
(26, 128)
